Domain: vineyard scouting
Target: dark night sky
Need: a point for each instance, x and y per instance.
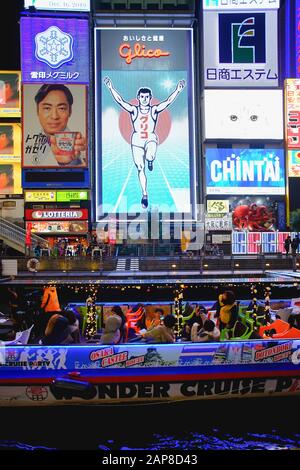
(10, 34)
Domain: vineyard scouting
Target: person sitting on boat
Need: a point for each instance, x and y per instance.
(116, 310)
(208, 333)
(114, 327)
(57, 331)
(155, 319)
(199, 315)
(73, 325)
(226, 310)
(162, 333)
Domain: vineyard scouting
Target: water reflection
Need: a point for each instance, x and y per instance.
(234, 424)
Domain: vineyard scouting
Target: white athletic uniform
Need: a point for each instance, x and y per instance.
(143, 126)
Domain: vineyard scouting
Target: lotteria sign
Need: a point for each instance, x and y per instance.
(56, 196)
(247, 171)
(65, 5)
(53, 214)
(240, 4)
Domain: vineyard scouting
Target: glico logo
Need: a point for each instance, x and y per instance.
(139, 51)
(242, 38)
(54, 47)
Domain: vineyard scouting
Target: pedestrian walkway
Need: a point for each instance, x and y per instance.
(157, 277)
(134, 264)
(121, 264)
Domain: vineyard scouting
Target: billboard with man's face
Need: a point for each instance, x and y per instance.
(10, 105)
(144, 120)
(54, 126)
(10, 141)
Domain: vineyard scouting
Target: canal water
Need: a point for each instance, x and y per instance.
(270, 423)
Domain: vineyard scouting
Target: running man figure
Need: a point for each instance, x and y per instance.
(144, 140)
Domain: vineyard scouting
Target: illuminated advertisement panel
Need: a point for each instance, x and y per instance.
(257, 214)
(56, 196)
(243, 114)
(246, 171)
(294, 163)
(292, 113)
(10, 102)
(55, 50)
(297, 37)
(144, 120)
(10, 178)
(58, 226)
(242, 49)
(10, 141)
(218, 223)
(217, 206)
(72, 196)
(56, 214)
(54, 126)
(40, 196)
(65, 5)
(240, 4)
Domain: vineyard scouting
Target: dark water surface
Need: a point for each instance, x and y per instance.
(233, 424)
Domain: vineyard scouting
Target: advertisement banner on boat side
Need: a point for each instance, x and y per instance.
(37, 394)
(142, 356)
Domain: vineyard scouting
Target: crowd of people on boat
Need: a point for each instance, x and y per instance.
(54, 325)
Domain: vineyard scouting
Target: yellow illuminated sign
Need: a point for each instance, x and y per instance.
(10, 103)
(40, 196)
(10, 142)
(218, 206)
(10, 178)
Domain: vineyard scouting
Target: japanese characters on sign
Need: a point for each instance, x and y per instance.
(242, 49)
(297, 37)
(55, 50)
(59, 226)
(217, 206)
(292, 109)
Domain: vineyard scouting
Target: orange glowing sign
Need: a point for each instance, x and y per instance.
(139, 51)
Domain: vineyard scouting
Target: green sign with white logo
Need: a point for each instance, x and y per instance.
(70, 196)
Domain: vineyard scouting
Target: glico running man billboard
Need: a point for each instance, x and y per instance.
(245, 171)
(144, 120)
